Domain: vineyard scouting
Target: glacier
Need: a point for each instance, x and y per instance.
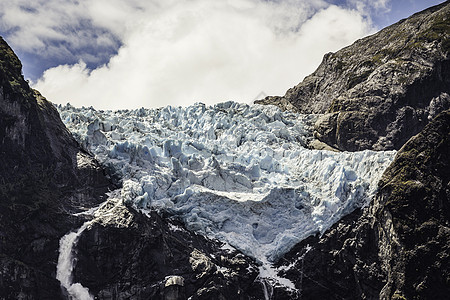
(238, 173)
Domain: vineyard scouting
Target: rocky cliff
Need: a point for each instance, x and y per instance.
(133, 256)
(398, 248)
(44, 177)
(381, 90)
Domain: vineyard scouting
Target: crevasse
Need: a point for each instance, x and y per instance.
(234, 172)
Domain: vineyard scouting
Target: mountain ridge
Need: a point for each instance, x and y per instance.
(382, 89)
(40, 184)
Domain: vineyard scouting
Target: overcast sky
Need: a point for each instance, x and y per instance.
(115, 54)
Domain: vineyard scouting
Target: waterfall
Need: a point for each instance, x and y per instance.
(66, 262)
(267, 289)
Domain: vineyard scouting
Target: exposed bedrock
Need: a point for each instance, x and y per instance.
(133, 256)
(383, 89)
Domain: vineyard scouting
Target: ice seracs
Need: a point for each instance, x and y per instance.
(231, 171)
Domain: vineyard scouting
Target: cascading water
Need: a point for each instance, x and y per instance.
(65, 265)
(267, 289)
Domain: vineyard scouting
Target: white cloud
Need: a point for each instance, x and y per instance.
(369, 7)
(180, 52)
(53, 28)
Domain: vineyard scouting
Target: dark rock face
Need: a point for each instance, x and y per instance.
(415, 190)
(381, 90)
(44, 175)
(399, 246)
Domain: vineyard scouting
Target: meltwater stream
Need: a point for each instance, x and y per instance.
(234, 172)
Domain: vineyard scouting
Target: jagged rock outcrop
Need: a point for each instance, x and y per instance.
(381, 90)
(133, 256)
(399, 247)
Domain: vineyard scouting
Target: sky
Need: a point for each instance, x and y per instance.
(124, 54)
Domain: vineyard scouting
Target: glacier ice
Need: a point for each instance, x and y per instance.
(235, 172)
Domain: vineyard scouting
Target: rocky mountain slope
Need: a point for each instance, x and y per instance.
(381, 90)
(134, 256)
(44, 177)
(398, 247)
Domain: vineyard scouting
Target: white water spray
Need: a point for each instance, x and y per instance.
(267, 289)
(65, 266)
